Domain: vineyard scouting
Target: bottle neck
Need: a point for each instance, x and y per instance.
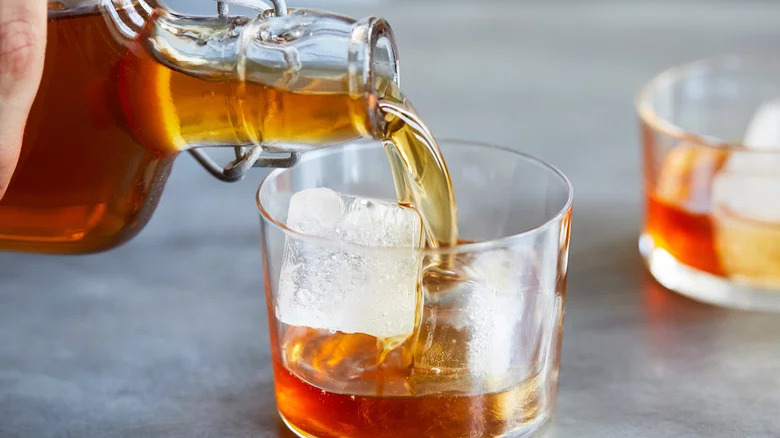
(304, 80)
(307, 78)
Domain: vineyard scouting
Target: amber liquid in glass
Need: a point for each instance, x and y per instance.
(682, 218)
(688, 236)
(313, 411)
(678, 204)
(333, 385)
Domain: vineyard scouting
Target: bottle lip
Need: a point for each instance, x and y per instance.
(368, 36)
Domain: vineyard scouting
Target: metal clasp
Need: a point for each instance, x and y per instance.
(250, 155)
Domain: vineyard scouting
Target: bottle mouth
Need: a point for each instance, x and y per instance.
(373, 66)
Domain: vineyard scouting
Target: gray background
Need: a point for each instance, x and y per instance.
(166, 336)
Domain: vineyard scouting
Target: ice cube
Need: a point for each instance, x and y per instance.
(749, 250)
(749, 182)
(764, 129)
(490, 324)
(750, 196)
(352, 288)
(746, 207)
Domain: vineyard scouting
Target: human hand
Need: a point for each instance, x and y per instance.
(22, 47)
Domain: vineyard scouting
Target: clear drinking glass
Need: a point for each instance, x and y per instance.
(483, 359)
(711, 140)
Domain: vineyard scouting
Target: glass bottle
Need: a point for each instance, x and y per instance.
(128, 85)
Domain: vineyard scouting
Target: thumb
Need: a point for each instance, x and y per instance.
(22, 47)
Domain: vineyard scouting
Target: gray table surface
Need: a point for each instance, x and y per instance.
(166, 336)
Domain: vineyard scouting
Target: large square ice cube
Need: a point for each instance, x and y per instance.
(749, 183)
(343, 282)
(746, 207)
(491, 324)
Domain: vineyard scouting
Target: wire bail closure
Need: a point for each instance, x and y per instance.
(247, 155)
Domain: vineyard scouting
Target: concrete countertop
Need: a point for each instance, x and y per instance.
(167, 337)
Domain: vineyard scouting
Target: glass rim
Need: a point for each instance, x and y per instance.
(672, 74)
(485, 245)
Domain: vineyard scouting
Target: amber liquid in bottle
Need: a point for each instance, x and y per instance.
(108, 122)
(83, 182)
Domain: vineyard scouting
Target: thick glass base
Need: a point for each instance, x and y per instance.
(526, 431)
(703, 286)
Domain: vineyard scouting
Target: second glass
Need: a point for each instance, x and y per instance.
(483, 356)
(711, 139)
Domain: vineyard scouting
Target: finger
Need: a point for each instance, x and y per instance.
(22, 49)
